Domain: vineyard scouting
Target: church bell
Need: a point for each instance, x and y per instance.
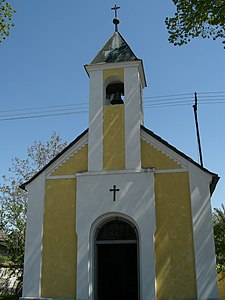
(116, 98)
(114, 92)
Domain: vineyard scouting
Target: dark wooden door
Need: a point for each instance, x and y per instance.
(117, 274)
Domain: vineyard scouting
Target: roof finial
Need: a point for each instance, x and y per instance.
(116, 20)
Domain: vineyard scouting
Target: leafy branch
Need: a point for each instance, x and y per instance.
(6, 13)
(194, 18)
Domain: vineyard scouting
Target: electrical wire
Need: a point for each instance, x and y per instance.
(41, 116)
(43, 107)
(159, 101)
(44, 111)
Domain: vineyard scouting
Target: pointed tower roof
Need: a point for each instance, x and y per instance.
(115, 50)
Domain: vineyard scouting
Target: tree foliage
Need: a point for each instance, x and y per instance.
(6, 13)
(219, 235)
(13, 200)
(193, 18)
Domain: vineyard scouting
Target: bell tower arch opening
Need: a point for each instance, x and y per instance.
(115, 92)
(116, 260)
(113, 86)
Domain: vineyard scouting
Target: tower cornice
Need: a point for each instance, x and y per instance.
(104, 66)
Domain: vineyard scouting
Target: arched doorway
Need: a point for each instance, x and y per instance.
(116, 261)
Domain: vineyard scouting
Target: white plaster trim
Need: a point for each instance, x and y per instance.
(105, 66)
(133, 117)
(61, 177)
(68, 154)
(33, 240)
(96, 203)
(111, 172)
(204, 250)
(171, 171)
(98, 222)
(67, 158)
(164, 149)
(108, 172)
(96, 102)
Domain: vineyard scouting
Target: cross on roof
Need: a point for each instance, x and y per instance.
(115, 8)
(116, 21)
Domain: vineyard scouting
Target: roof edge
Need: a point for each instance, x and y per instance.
(106, 65)
(23, 186)
(110, 46)
(215, 177)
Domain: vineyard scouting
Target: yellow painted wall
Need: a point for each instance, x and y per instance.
(59, 234)
(174, 249)
(151, 157)
(113, 137)
(76, 163)
(119, 72)
(59, 240)
(221, 285)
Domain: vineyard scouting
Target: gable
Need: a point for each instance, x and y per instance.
(77, 162)
(151, 157)
(174, 153)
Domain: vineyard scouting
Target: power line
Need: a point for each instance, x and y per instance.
(42, 116)
(185, 99)
(174, 95)
(43, 107)
(167, 98)
(40, 112)
(221, 92)
(182, 103)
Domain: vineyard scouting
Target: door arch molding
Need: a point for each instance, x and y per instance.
(116, 259)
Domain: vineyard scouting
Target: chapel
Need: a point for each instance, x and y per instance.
(120, 213)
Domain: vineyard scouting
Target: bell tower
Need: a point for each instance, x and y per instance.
(117, 81)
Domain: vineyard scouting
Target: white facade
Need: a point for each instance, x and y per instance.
(133, 117)
(204, 249)
(135, 202)
(95, 153)
(33, 239)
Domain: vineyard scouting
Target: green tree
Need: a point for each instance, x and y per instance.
(13, 200)
(193, 18)
(6, 13)
(219, 235)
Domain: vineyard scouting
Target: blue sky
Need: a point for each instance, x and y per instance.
(42, 65)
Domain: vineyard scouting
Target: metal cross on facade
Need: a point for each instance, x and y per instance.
(114, 190)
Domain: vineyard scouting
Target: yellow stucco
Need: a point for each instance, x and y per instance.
(76, 163)
(221, 285)
(118, 72)
(59, 240)
(59, 233)
(151, 157)
(174, 249)
(113, 137)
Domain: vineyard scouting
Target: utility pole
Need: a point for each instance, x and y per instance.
(195, 107)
